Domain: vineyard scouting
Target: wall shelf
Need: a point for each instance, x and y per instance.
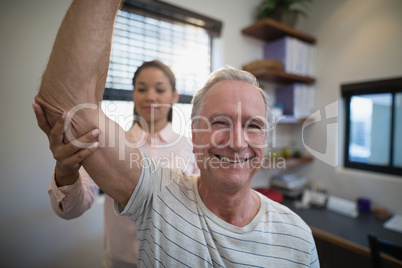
(281, 76)
(291, 120)
(268, 30)
(295, 161)
(292, 162)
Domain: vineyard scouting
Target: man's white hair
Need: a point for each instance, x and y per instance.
(227, 74)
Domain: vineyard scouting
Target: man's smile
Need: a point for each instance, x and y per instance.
(232, 159)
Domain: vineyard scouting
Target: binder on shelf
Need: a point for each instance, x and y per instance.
(297, 100)
(289, 181)
(291, 185)
(298, 57)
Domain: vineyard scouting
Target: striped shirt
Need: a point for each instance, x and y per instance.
(176, 229)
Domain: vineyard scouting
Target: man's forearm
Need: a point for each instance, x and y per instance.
(77, 68)
(76, 75)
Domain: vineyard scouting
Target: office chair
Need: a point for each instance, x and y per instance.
(379, 245)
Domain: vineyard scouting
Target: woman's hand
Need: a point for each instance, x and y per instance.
(68, 155)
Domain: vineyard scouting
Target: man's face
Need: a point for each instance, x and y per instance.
(230, 137)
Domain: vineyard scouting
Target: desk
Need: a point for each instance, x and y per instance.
(338, 235)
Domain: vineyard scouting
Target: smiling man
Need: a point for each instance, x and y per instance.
(211, 220)
(216, 219)
(224, 140)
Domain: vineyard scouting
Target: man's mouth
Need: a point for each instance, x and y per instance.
(229, 160)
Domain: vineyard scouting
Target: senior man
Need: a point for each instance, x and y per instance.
(211, 220)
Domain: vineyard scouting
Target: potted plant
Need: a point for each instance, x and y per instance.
(282, 10)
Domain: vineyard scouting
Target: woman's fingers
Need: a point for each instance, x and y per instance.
(41, 119)
(83, 142)
(79, 149)
(56, 138)
(65, 152)
(76, 159)
(68, 155)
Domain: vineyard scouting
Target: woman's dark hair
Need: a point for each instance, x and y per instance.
(166, 70)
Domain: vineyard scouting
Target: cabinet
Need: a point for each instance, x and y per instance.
(269, 30)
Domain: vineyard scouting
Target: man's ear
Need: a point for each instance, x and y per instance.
(193, 138)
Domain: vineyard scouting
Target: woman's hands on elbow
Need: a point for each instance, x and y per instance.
(68, 155)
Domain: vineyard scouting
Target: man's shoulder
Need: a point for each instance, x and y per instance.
(280, 213)
(177, 176)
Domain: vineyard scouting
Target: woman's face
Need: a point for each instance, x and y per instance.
(153, 96)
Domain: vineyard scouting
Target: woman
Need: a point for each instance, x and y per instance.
(154, 94)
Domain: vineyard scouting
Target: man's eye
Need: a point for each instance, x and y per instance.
(254, 126)
(160, 90)
(219, 123)
(141, 90)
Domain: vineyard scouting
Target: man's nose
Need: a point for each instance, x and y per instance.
(239, 137)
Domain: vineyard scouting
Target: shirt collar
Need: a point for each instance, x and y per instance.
(166, 134)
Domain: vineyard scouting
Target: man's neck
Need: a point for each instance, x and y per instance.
(238, 209)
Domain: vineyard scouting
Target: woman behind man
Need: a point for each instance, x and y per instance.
(72, 191)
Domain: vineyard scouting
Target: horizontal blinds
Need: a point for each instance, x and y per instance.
(165, 11)
(139, 37)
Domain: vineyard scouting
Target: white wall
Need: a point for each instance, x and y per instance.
(357, 40)
(31, 235)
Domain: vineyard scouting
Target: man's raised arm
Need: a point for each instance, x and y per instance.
(75, 77)
(77, 68)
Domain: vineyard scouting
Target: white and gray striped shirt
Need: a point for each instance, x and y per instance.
(176, 229)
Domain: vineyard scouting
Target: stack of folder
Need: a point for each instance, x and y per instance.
(291, 184)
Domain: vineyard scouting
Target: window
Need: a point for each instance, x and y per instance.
(373, 126)
(148, 30)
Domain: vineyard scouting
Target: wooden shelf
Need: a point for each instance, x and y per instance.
(268, 29)
(287, 119)
(281, 76)
(291, 162)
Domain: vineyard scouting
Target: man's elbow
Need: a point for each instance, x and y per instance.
(83, 117)
(51, 110)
